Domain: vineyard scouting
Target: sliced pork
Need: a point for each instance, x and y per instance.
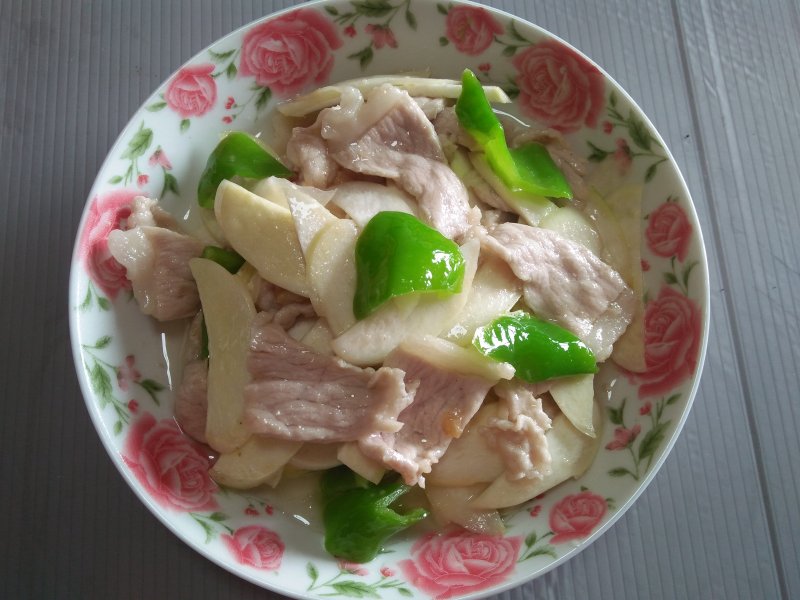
(284, 308)
(146, 211)
(517, 433)
(157, 264)
(430, 106)
(565, 282)
(308, 154)
(444, 403)
(298, 394)
(191, 400)
(388, 135)
(450, 131)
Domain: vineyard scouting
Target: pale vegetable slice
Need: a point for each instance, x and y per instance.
(452, 505)
(618, 220)
(626, 205)
(495, 290)
(370, 340)
(319, 338)
(280, 190)
(315, 457)
(274, 479)
(310, 217)
(470, 459)
(228, 311)
(250, 278)
(264, 234)
(331, 271)
(575, 397)
(362, 200)
(449, 356)
(574, 226)
(255, 463)
(531, 208)
(572, 452)
(330, 95)
(301, 328)
(350, 454)
(213, 230)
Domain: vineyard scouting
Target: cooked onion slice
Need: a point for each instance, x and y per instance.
(416, 86)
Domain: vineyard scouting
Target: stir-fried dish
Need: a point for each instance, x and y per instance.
(415, 291)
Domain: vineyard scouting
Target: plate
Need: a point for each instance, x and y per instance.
(126, 362)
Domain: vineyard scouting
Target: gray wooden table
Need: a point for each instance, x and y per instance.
(720, 80)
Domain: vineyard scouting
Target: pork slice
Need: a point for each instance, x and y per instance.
(450, 131)
(282, 307)
(389, 136)
(157, 264)
(565, 282)
(307, 153)
(297, 394)
(146, 211)
(191, 400)
(430, 106)
(443, 405)
(518, 432)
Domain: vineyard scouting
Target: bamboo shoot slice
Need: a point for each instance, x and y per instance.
(228, 311)
(264, 234)
(575, 397)
(350, 454)
(452, 505)
(254, 464)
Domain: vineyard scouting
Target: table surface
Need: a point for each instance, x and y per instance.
(719, 80)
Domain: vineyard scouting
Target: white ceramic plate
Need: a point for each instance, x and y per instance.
(122, 357)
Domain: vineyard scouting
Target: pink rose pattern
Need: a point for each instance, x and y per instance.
(459, 562)
(624, 437)
(192, 92)
(172, 468)
(381, 36)
(291, 52)
(558, 87)
(673, 325)
(668, 231)
(127, 373)
(576, 516)
(471, 29)
(106, 213)
(256, 546)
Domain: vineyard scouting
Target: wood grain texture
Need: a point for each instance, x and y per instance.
(719, 82)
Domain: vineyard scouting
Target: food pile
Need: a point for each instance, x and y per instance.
(415, 291)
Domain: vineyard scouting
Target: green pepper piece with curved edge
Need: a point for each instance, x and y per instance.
(357, 515)
(237, 154)
(529, 168)
(537, 349)
(397, 254)
(231, 260)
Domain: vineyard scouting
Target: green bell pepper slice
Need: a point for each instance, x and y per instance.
(237, 154)
(529, 168)
(397, 254)
(231, 260)
(537, 349)
(357, 515)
